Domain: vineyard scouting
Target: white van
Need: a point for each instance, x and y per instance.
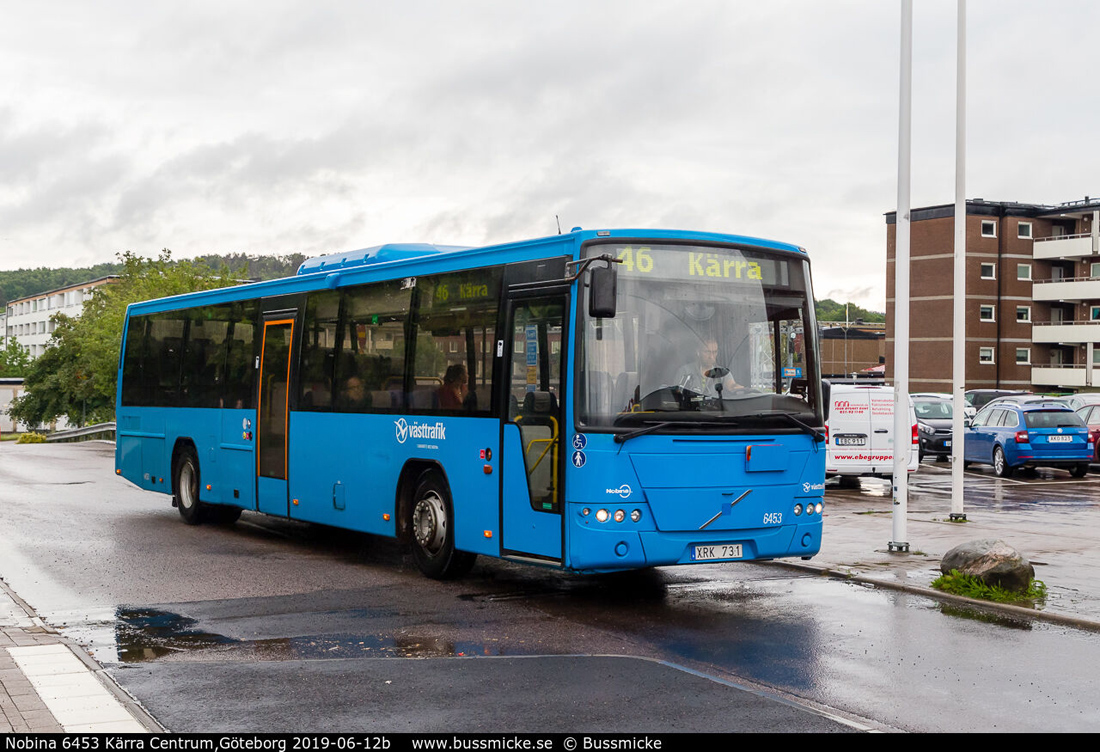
(859, 422)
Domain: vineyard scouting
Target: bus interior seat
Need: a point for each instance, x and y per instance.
(382, 399)
(423, 398)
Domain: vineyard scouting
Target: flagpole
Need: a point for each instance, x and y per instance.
(902, 427)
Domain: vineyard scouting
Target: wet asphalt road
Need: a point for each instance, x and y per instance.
(269, 625)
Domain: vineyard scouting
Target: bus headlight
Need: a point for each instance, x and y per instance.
(602, 515)
(620, 515)
(636, 515)
(818, 507)
(797, 509)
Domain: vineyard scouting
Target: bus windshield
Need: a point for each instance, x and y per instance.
(717, 336)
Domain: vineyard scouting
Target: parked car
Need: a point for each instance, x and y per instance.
(1091, 415)
(1010, 436)
(859, 421)
(1029, 399)
(968, 410)
(1077, 401)
(934, 426)
(979, 397)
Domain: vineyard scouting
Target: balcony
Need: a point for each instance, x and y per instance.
(1068, 332)
(1064, 376)
(1066, 288)
(1063, 246)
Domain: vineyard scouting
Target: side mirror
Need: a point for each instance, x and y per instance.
(602, 292)
(967, 422)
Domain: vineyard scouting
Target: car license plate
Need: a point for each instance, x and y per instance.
(717, 551)
(850, 440)
(1059, 438)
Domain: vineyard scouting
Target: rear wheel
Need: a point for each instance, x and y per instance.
(186, 488)
(431, 525)
(1080, 470)
(1000, 464)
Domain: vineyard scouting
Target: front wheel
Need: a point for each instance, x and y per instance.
(186, 488)
(1000, 464)
(431, 524)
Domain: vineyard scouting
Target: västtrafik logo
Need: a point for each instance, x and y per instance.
(405, 430)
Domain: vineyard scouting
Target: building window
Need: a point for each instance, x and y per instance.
(989, 271)
(1023, 356)
(985, 355)
(1023, 314)
(1023, 271)
(1094, 269)
(1023, 230)
(1094, 313)
(986, 313)
(989, 228)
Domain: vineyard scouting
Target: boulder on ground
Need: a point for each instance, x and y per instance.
(994, 562)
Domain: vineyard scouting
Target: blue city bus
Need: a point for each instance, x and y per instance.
(592, 401)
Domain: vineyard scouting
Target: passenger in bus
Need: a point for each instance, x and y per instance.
(353, 397)
(452, 392)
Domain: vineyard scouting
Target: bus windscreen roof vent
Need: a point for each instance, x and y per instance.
(379, 254)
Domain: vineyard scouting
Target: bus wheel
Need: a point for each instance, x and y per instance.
(186, 487)
(432, 529)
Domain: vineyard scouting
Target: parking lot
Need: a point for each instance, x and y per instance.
(1046, 514)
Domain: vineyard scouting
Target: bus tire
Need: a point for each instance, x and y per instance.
(185, 487)
(431, 530)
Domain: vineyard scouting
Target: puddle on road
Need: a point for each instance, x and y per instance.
(147, 635)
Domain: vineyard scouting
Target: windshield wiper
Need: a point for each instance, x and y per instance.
(727, 420)
(817, 433)
(621, 438)
(652, 426)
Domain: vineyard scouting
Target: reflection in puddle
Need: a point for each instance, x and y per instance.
(146, 635)
(987, 617)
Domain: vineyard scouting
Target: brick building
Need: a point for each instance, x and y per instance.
(846, 350)
(1032, 295)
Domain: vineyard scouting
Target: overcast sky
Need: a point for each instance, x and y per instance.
(318, 127)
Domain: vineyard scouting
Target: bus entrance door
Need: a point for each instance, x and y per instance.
(532, 462)
(272, 414)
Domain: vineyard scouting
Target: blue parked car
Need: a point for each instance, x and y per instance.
(1034, 434)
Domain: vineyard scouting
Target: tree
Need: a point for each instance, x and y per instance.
(77, 374)
(830, 310)
(14, 360)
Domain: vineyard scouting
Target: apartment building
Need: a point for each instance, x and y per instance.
(1032, 295)
(28, 319)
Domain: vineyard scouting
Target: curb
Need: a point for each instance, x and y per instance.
(1005, 609)
(139, 714)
